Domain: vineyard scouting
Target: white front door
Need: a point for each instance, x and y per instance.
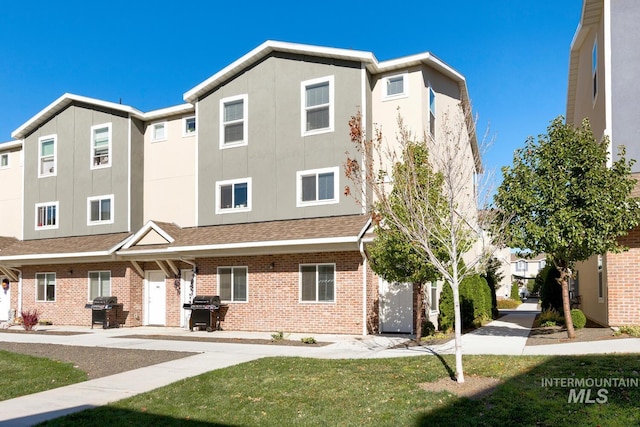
(156, 298)
(396, 307)
(5, 304)
(187, 292)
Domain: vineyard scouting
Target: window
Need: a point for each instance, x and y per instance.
(432, 113)
(101, 146)
(233, 121)
(433, 297)
(46, 215)
(47, 155)
(318, 186)
(158, 132)
(542, 264)
(600, 280)
(594, 68)
(45, 286)
(317, 283)
(188, 126)
(99, 210)
(4, 160)
(395, 86)
(233, 196)
(521, 265)
(232, 284)
(317, 106)
(99, 284)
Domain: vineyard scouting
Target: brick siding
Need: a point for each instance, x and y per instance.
(623, 282)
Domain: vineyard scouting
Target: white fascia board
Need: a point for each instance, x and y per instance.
(169, 111)
(274, 46)
(10, 145)
(425, 58)
(62, 102)
(150, 225)
(45, 257)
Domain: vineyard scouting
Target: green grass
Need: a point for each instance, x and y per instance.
(21, 374)
(381, 392)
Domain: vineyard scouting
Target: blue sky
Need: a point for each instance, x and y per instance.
(514, 54)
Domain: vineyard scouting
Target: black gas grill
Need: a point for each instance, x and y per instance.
(104, 310)
(205, 312)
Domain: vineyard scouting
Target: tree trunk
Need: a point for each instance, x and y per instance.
(566, 304)
(420, 308)
(458, 331)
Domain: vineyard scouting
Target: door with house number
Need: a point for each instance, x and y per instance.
(156, 298)
(187, 292)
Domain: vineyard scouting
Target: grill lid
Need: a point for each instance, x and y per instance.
(105, 300)
(206, 300)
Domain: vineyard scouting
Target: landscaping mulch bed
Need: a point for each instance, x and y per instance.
(286, 342)
(558, 334)
(41, 332)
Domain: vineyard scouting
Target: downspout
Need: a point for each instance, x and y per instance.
(364, 286)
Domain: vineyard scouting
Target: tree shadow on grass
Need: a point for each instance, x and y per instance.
(551, 394)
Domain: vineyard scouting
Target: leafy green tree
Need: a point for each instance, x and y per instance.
(562, 198)
(394, 258)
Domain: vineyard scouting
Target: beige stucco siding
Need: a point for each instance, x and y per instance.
(594, 308)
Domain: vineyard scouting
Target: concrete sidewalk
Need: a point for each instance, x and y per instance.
(507, 335)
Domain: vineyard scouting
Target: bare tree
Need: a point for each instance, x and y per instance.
(447, 229)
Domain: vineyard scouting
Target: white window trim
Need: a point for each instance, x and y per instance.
(94, 198)
(335, 283)
(153, 131)
(89, 282)
(184, 127)
(55, 286)
(303, 107)
(245, 121)
(601, 282)
(405, 87)
(47, 227)
(336, 186)
(437, 285)
(55, 155)
(8, 165)
(220, 184)
(218, 282)
(92, 154)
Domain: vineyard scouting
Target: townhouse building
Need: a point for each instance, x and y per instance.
(238, 192)
(603, 63)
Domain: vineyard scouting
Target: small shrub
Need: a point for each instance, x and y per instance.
(29, 319)
(548, 324)
(578, 317)
(508, 304)
(515, 291)
(308, 340)
(278, 336)
(428, 328)
(632, 331)
(550, 315)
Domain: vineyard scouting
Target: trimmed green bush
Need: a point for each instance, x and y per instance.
(578, 317)
(475, 303)
(515, 292)
(550, 291)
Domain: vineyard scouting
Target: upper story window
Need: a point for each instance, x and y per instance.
(99, 284)
(233, 195)
(594, 68)
(395, 86)
(99, 210)
(232, 284)
(47, 148)
(432, 113)
(4, 160)
(317, 283)
(233, 121)
(46, 215)
(189, 126)
(101, 146)
(317, 105)
(319, 186)
(542, 264)
(158, 131)
(45, 286)
(521, 265)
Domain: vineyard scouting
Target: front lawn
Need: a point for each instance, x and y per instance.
(387, 392)
(20, 374)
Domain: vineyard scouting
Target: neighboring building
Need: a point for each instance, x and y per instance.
(238, 193)
(524, 269)
(11, 189)
(603, 67)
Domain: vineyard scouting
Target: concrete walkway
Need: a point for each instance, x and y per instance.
(507, 335)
